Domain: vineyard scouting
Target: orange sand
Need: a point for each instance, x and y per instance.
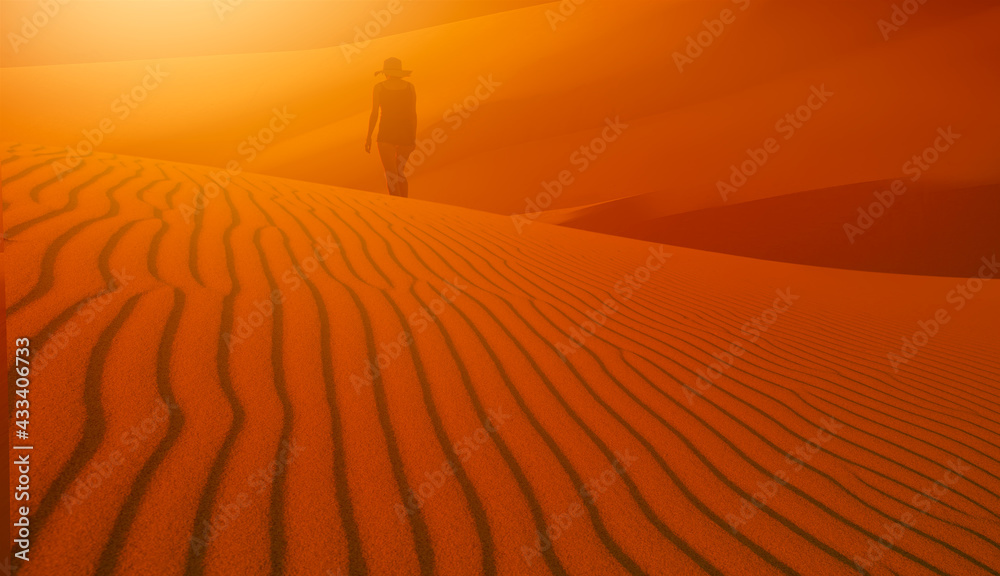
(503, 306)
(303, 376)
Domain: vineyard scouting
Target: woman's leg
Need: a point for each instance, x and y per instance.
(402, 157)
(387, 152)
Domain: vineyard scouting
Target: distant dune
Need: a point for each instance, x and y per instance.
(648, 131)
(285, 377)
(864, 226)
(107, 31)
(556, 89)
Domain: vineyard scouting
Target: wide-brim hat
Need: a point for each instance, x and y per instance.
(393, 67)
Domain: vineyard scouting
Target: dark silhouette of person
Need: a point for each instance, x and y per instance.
(397, 132)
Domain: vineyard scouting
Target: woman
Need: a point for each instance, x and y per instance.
(397, 132)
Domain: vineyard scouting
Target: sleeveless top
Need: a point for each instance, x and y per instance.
(398, 124)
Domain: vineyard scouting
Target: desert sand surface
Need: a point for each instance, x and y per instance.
(204, 399)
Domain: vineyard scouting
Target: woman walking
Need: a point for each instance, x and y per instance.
(397, 131)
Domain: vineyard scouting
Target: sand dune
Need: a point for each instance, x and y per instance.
(210, 375)
(556, 90)
(108, 31)
(924, 231)
(645, 149)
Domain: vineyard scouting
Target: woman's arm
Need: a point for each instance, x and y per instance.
(373, 119)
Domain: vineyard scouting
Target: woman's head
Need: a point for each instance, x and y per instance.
(393, 68)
